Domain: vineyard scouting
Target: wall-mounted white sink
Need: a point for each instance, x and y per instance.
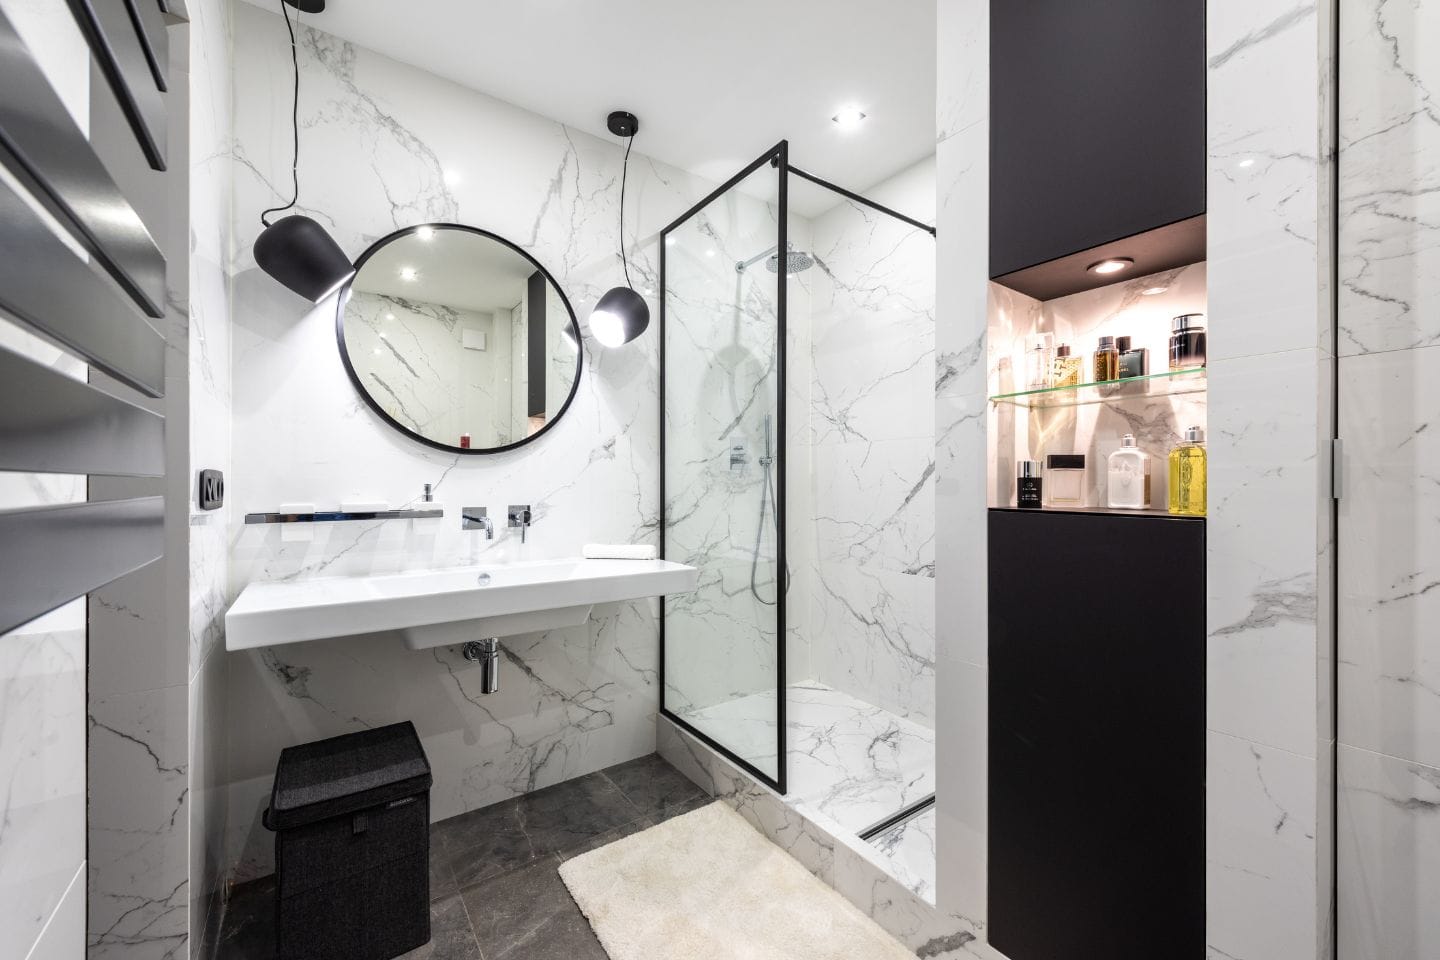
(435, 608)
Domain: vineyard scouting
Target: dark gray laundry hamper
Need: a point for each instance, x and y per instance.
(351, 817)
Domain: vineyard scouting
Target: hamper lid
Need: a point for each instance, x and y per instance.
(334, 777)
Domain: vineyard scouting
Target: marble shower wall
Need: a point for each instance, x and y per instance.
(870, 462)
(1389, 556)
(1093, 429)
(721, 397)
(385, 145)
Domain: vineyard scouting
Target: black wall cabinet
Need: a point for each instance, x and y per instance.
(1097, 736)
(1097, 123)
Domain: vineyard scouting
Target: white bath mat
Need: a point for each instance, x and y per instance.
(707, 886)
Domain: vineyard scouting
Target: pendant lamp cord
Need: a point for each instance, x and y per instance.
(624, 175)
(295, 123)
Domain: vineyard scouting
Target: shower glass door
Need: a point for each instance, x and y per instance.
(722, 361)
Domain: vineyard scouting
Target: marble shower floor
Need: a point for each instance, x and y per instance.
(495, 893)
(851, 763)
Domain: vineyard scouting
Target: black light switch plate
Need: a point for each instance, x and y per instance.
(212, 489)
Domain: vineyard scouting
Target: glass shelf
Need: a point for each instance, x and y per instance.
(1167, 383)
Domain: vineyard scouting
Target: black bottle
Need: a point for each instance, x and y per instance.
(1028, 485)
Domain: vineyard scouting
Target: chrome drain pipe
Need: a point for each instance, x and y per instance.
(487, 654)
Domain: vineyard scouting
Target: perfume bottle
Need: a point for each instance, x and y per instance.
(1187, 342)
(1127, 481)
(1134, 361)
(1066, 371)
(1038, 362)
(1187, 475)
(1029, 486)
(1065, 480)
(1107, 360)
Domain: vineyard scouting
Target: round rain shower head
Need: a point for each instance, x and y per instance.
(795, 261)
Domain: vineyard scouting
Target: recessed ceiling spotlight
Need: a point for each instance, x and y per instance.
(425, 233)
(409, 274)
(1153, 291)
(848, 118)
(1111, 265)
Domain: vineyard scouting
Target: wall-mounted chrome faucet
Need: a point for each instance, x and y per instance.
(429, 495)
(520, 517)
(474, 518)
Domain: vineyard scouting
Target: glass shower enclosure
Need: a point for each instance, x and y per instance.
(722, 488)
(798, 373)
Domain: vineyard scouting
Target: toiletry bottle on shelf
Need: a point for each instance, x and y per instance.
(1134, 361)
(1038, 362)
(1065, 480)
(1187, 475)
(1187, 342)
(1127, 481)
(1028, 485)
(1107, 360)
(1067, 368)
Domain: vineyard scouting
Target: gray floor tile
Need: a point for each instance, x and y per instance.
(652, 784)
(500, 838)
(450, 934)
(528, 914)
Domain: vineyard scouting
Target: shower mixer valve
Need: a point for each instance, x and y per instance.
(738, 457)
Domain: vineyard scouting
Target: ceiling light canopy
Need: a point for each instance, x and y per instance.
(1111, 265)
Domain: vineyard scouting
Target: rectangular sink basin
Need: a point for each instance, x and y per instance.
(436, 608)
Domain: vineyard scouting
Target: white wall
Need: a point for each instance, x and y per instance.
(383, 146)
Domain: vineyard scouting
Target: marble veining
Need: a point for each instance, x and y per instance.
(910, 849)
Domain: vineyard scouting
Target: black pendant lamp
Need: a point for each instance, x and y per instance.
(296, 250)
(621, 314)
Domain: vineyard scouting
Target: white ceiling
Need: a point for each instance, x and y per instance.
(713, 83)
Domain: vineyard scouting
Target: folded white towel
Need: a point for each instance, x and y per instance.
(620, 551)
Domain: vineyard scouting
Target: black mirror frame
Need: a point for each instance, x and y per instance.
(344, 298)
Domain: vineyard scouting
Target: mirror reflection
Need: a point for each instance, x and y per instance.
(459, 339)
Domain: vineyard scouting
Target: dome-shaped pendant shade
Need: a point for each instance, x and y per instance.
(619, 317)
(300, 254)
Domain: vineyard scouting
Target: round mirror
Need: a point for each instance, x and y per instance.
(459, 338)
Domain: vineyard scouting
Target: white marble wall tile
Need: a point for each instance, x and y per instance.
(962, 755)
(875, 504)
(139, 798)
(42, 755)
(1389, 857)
(1260, 828)
(1389, 176)
(1389, 651)
(1265, 552)
(962, 66)
(960, 497)
(877, 631)
(1264, 196)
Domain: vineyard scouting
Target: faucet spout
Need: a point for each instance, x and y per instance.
(475, 518)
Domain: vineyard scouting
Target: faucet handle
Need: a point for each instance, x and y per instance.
(519, 516)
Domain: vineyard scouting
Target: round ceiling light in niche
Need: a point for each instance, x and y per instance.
(621, 314)
(1111, 265)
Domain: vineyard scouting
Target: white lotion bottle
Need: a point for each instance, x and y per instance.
(1127, 484)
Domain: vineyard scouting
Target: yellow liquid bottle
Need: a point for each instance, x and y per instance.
(1187, 475)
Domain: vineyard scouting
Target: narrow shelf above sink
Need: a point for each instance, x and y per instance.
(436, 608)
